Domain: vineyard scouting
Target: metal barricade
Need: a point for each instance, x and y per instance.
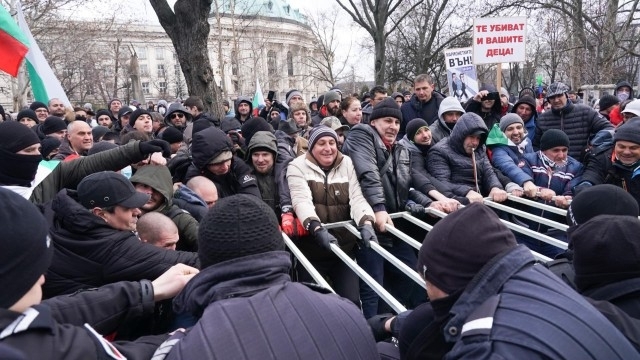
(538, 205)
(526, 215)
(305, 262)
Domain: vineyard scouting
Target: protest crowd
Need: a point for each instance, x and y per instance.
(157, 231)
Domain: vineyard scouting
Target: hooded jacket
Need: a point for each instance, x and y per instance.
(288, 149)
(579, 122)
(254, 296)
(531, 124)
(177, 107)
(602, 168)
(89, 253)
(621, 84)
(439, 128)
(492, 117)
(206, 145)
(228, 122)
(188, 200)
(264, 140)
(158, 177)
(449, 163)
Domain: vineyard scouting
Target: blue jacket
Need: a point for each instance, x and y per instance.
(505, 312)
(251, 310)
(509, 161)
(561, 181)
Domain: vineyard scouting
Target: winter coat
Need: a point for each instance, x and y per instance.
(449, 163)
(561, 181)
(603, 169)
(49, 181)
(508, 159)
(288, 149)
(579, 122)
(90, 253)
(206, 145)
(387, 191)
(328, 197)
(68, 327)
(531, 124)
(228, 121)
(414, 108)
(158, 178)
(187, 200)
(253, 298)
(439, 130)
(265, 140)
(491, 117)
(487, 320)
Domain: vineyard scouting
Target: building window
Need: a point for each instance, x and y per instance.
(289, 63)
(161, 70)
(272, 65)
(162, 87)
(144, 70)
(145, 88)
(142, 53)
(234, 63)
(159, 53)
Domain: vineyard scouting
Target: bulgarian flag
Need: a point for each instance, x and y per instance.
(13, 44)
(44, 83)
(258, 100)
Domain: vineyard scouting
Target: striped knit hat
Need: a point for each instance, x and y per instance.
(321, 131)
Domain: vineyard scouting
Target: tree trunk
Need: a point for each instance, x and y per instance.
(380, 57)
(188, 29)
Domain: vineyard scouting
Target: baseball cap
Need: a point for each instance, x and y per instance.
(334, 123)
(108, 188)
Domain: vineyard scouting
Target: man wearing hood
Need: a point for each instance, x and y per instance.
(579, 122)
(243, 110)
(487, 104)
(155, 181)
(424, 103)
(261, 157)
(461, 160)
(623, 91)
(448, 114)
(213, 157)
(178, 117)
(525, 107)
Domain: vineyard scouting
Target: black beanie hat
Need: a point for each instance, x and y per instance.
(25, 247)
(387, 107)
(604, 199)
(288, 127)
(38, 105)
(238, 226)
(606, 250)
(553, 138)
(453, 252)
(413, 126)
(200, 125)
(104, 112)
(172, 135)
(134, 116)
(252, 126)
(15, 136)
(607, 101)
(47, 145)
(98, 133)
(53, 124)
(28, 113)
(629, 131)
(526, 99)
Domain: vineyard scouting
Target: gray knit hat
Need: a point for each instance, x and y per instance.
(321, 131)
(330, 96)
(509, 119)
(449, 103)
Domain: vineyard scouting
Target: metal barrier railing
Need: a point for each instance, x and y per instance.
(305, 263)
(526, 215)
(538, 205)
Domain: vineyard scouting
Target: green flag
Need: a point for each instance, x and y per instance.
(496, 137)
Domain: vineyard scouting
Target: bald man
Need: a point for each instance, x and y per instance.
(158, 230)
(205, 189)
(78, 141)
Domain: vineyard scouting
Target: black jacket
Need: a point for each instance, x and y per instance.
(414, 108)
(388, 191)
(579, 122)
(449, 163)
(56, 328)
(251, 310)
(491, 117)
(206, 145)
(89, 253)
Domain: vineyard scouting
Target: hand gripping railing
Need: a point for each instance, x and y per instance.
(538, 205)
(526, 215)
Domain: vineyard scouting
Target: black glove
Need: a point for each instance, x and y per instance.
(154, 146)
(324, 238)
(376, 323)
(368, 235)
(415, 209)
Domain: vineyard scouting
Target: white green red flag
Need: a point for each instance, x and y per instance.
(13, 44)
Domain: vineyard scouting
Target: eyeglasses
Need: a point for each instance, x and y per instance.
(177, 115)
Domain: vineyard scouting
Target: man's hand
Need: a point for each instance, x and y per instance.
(480, 95)
(547, 194)
(324, 238)
(153, 146)
(530, 189)
(415, 209)
(368, 235)
(498, 195)
(157, 159)
(172, 281)
(382, 220)
(445, 206)
(562, 201)
(287, 224)
(474, 197)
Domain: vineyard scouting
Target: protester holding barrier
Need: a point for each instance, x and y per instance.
(324, 189)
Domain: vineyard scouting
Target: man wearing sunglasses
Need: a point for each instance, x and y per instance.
(177, 116)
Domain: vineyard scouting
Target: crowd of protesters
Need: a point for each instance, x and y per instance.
(156, 230)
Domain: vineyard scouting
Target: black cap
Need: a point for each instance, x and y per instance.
(108, 188)
(53, 124)
(38, 105)
(124, 111)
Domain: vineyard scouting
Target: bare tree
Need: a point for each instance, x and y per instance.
(188, 28)
(373, 15)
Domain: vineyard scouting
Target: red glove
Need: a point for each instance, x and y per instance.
(288, 226)
(300, 230)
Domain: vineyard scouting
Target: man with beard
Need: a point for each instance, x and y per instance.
(261, 157)
(155, 181)
(177, 116)
(56, 108)
(331, 107)
(448, 114)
